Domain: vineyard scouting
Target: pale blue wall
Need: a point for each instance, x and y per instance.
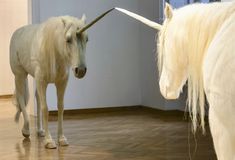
(149, 74)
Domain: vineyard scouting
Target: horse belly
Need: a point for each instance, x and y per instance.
(218, 74)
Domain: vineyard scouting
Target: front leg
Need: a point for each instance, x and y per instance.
(61, 86)
(40, 130)
(41, 88)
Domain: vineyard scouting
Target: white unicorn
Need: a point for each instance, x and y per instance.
(196, 44)
(46, 52)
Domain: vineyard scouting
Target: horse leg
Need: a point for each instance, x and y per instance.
(41, 89)
(22, 99)
(223, 140)
(40, 130)
(61, 86)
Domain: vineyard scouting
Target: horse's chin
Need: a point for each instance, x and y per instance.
(171, 95)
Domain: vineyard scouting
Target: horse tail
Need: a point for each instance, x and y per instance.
(14, 101)
(26, 100)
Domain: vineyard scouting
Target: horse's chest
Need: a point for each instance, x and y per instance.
(60, 74)
(52, 76)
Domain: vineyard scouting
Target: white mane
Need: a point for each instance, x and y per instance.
(52, 32)
(192, 29)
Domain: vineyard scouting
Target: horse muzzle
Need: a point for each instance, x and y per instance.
(80, 72)
(167, 93)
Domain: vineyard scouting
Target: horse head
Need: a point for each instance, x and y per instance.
(172, 61)
(75, 44)
(76, 39)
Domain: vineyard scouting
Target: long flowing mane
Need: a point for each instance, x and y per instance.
(193, 28)
(52, 41)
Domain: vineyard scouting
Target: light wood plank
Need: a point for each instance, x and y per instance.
(135, 134)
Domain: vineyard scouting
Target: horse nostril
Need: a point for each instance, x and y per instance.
(82, 71)
(76, 70)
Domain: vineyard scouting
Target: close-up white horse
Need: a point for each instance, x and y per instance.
(47, 51)
(196, 44)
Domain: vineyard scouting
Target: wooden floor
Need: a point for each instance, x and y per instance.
(138, 134)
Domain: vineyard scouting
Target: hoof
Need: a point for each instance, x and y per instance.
(25, 133)
(41, 133)
(63, 141)
(50, 144)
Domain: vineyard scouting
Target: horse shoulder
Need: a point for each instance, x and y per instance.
(219, 61)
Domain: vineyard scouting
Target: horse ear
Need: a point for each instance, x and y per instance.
(168, 11)
(84, 18)
(63, 21)
(68, 37)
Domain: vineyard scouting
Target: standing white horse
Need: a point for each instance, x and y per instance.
(46, 52)
(196, 44)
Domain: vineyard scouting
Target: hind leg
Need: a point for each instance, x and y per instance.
(40, 130)
(21, 97)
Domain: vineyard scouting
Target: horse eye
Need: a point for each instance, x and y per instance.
(87, 39)
(69, 40)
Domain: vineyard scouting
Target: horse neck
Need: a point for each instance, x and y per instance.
(201, 31)
(62, 61)
(52, 62)
(52, 57)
